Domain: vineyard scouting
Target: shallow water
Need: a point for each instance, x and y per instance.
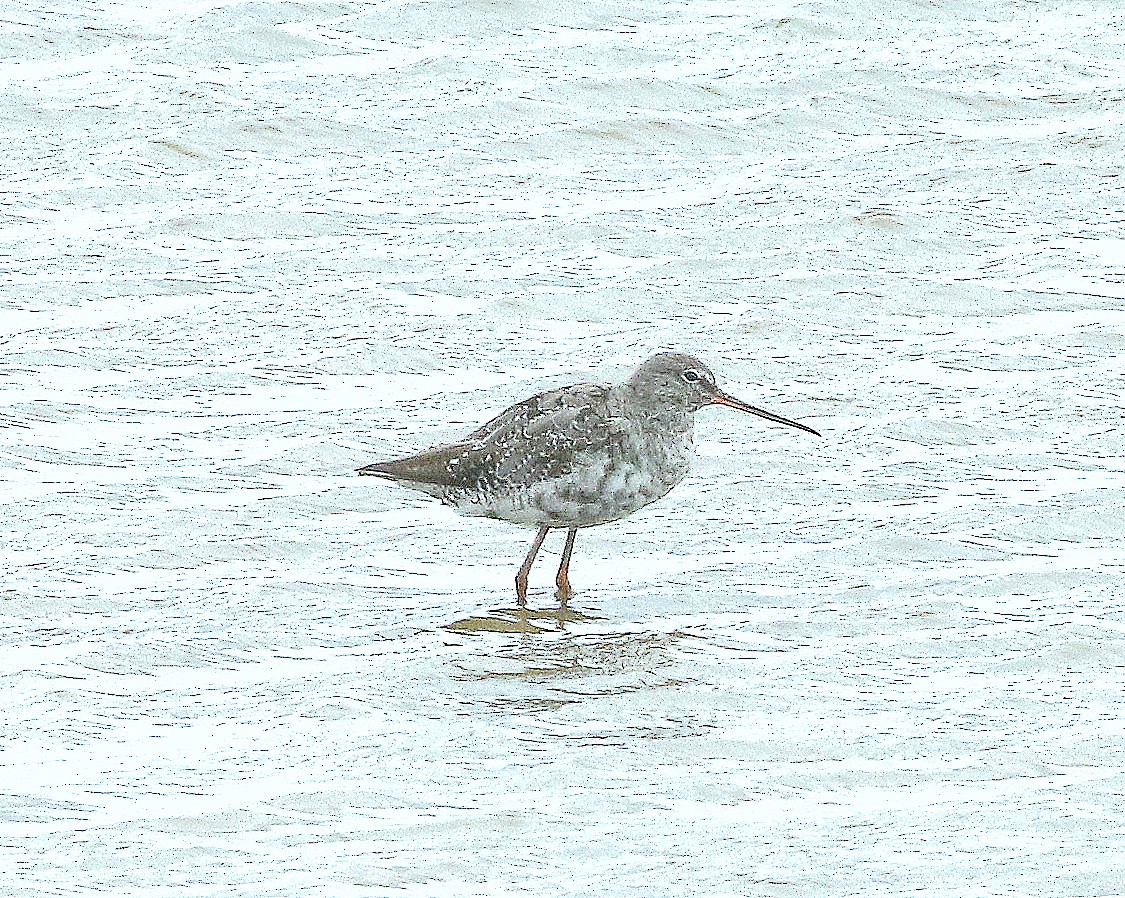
(254, 245)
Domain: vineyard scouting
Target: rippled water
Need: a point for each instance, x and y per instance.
(250, 246)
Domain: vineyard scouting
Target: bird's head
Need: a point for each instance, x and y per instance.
(671, 382)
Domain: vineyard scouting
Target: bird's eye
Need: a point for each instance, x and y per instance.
(691, 375)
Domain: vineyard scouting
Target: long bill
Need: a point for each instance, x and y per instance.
(721, 398)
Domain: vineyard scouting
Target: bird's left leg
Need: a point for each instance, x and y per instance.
(562, 580)
(525, 569)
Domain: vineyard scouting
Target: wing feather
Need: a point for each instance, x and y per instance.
(539, 438)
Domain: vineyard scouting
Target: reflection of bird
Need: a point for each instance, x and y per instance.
(574, 457)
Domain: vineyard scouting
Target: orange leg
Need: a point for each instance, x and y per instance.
(525, 569)
(562, 579)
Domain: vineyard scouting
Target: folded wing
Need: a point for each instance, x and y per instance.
(540, 438)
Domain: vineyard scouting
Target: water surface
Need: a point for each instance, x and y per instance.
(251, 246)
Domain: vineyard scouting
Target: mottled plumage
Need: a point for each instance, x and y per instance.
(574, 457)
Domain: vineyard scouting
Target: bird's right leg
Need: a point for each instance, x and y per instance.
(562, 579)
(525, 569)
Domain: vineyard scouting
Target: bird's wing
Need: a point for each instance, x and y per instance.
(539, 438)
(543, 437)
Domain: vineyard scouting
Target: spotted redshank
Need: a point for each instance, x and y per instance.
(575, 457)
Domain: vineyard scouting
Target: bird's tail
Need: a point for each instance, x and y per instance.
(441, 466)
(379, 469)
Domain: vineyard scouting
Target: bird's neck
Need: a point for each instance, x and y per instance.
(655, 413)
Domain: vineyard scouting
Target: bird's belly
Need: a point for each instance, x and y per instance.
(591, 494)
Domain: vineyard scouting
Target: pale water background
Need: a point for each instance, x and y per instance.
(250, 246)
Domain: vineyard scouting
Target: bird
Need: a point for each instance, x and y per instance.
(574, 457)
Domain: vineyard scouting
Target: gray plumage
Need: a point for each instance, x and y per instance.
(577, 456)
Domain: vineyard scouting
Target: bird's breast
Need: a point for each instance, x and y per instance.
(622, 477)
